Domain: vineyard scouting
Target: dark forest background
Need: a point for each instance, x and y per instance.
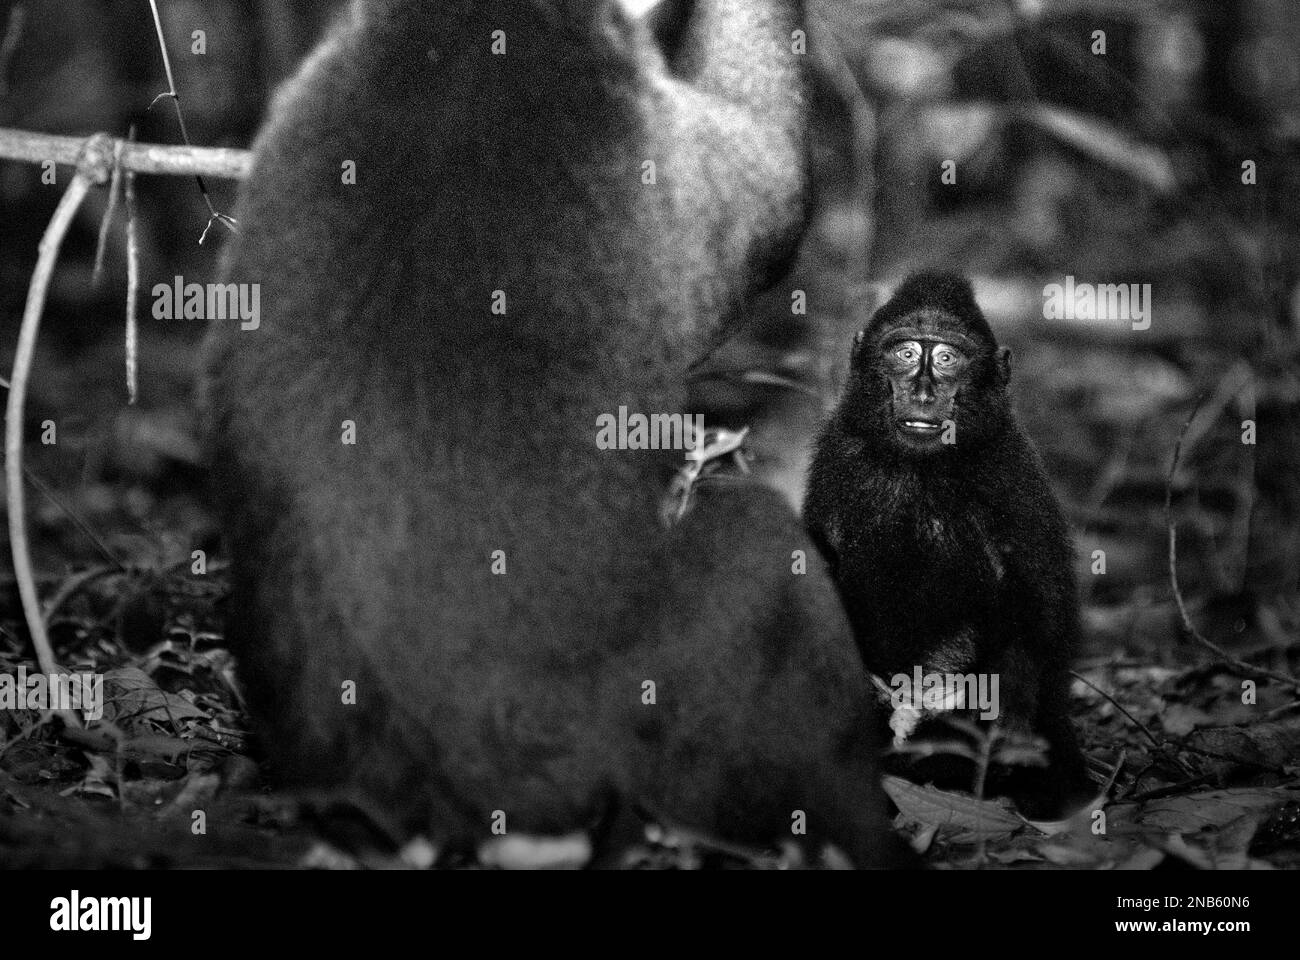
(1117, 168)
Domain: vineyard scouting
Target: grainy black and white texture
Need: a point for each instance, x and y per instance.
(951, 556)
(372, 562)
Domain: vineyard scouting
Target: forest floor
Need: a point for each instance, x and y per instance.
(1199, 779)
(1198, 759)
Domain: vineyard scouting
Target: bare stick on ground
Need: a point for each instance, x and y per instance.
(1159, 745)
(94, 168)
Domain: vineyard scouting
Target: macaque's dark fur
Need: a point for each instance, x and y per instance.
(957, 560)
(476, 432)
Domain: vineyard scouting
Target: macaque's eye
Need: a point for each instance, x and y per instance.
(945, 357)
(909, 353)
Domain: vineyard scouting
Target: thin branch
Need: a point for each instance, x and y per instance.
(1280, 711)
(94, 166)
(45, 490)
(48, 493)
(114, 189)
(1240, 666)
(24, 733)
(1170, 790)
(149, 158)
(74, 583)
(214, 216)
(16, 491)
(1158, 744)
(1114, 774)
(132, 290)
(1116, 704)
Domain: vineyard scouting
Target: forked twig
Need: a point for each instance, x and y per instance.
(171, 92)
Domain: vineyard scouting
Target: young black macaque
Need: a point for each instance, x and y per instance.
(550, 217)
(936, 516)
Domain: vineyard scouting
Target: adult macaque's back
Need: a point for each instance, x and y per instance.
(498, 588)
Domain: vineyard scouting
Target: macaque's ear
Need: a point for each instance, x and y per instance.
(858, 339)
(1004, 364)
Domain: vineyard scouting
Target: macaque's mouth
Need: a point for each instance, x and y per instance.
(922, 428)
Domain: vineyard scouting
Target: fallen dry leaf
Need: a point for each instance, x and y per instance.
(961, 818)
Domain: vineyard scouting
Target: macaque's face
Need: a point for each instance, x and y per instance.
(926, 381)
